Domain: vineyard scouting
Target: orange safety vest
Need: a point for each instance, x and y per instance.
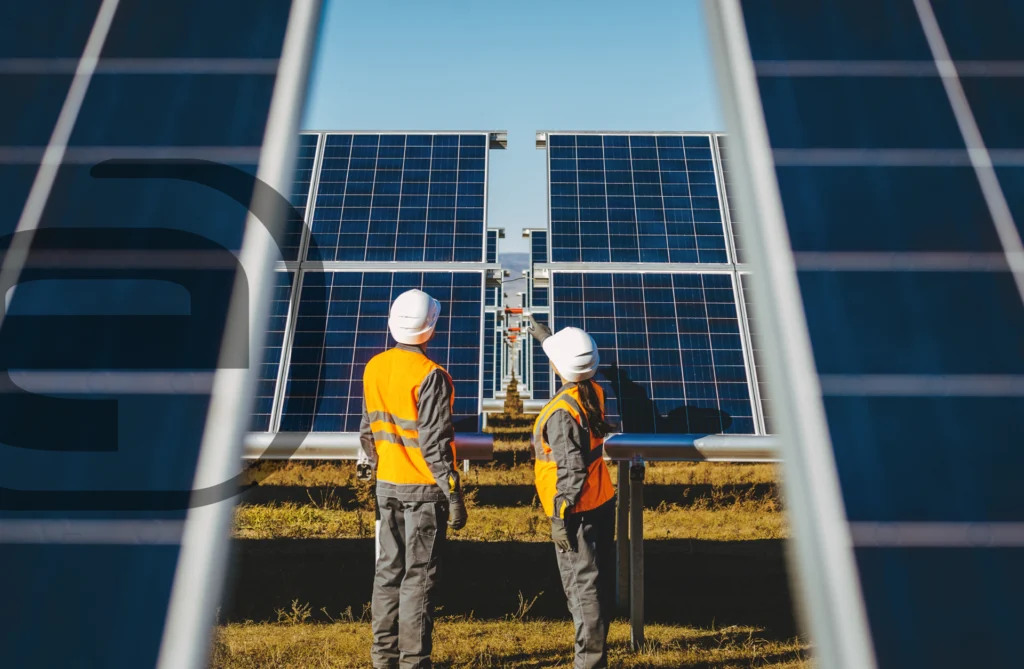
(391, 389)
(597, 489)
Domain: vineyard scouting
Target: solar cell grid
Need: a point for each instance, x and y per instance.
(489, 349)
(762, 384)
(305, 159)
(267, 380)
(671, 352)
(401, 198)
(342, 323)
(492, 246)
(540, 366)
(723, 159)
(634, 198)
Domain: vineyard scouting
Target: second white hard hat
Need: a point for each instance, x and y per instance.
(573, 353)
(413, 317)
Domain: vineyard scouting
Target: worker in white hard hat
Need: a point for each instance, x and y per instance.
(408, 437)
(575, 488)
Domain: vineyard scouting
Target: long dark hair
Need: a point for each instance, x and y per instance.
(593, 409)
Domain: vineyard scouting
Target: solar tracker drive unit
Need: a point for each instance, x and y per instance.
(879, 143)
(128, 389)
(383, 212)
(642, 257)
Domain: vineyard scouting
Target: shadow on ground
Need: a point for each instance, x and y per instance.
(511, 495)
(698, 583)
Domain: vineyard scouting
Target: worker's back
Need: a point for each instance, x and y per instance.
(391, 387)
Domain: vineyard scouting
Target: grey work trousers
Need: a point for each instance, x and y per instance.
(409, 538)
(588, 578)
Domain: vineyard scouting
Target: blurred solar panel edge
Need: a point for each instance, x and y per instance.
(881, 139)
(95, 507)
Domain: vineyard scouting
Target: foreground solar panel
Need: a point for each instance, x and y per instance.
(883, 139)
(123, 388)
(396, 197)
(634, 198)
(342, 323)
(672, 359)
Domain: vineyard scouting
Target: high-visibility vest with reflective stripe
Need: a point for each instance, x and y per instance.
(391, 388)
(597, 489)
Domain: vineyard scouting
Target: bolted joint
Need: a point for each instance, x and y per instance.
(637, 469)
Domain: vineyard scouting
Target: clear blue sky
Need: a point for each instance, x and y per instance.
(520, 66)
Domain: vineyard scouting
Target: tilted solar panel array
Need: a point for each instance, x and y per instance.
(414, 201)
(273, 349)
(634, 198)
(394, 197)
(893, 134)
(675, 344)
(670, 348)
(114, 333)
(490, 337)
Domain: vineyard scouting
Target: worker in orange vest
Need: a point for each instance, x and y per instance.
(575, 489)
(408, 437)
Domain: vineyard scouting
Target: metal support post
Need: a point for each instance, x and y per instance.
(622, 537)
(636, 546)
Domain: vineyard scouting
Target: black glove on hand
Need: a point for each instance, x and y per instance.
(457, 513)
(560, 535)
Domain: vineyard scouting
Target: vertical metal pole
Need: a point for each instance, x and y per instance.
(636, 550)
(622, 537)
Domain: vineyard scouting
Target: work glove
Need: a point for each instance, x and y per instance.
(539, 331)
(457, 513)
(560, 535)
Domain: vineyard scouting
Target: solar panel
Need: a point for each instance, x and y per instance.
(671, 353)
(305, 160)
(634, 198)
(541, 368)
(342, 323)
(721, 142)
(538, 246)
(492, 246)
(272, 349)
(889, 135)
(490, 345)
(119, 354)
(758, 352)
(394, 197)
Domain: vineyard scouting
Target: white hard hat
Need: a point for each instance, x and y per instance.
(413, 317)
(573, 353)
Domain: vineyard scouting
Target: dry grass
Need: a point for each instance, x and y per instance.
(342, 474)
(707, 519)
(461, 643)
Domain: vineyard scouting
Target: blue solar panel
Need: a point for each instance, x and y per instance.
(915, 322)
(304, 161)
(133, 343)
(762, 384)
(492, 246)
(723, 158)
(490, 345)
(671, 354)
(541, 367)
(491, 294)
(538, 246)
(634, 198)
(267, 380)
(342, 323)
(401, 198)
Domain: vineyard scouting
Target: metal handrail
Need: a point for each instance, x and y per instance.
(343, 446)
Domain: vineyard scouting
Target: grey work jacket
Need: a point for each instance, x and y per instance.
(570, 447)
(436, 438)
